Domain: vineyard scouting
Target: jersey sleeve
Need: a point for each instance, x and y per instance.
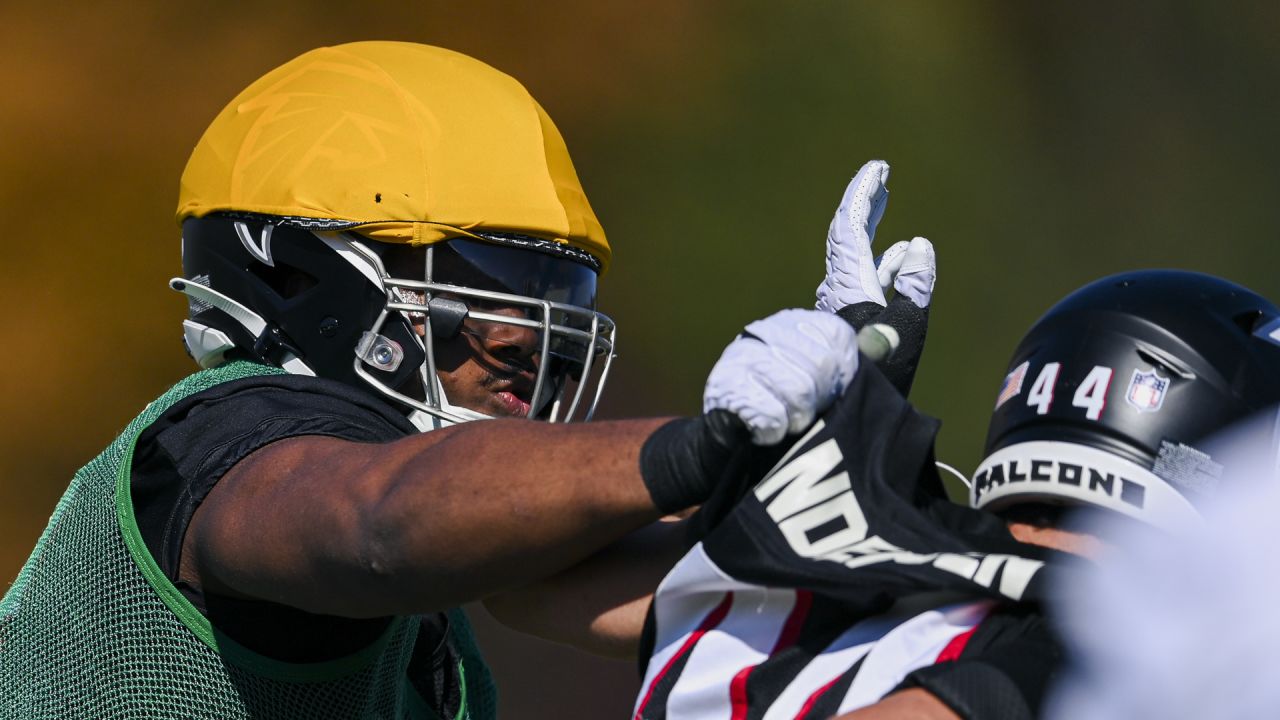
(184, 454)
(1004, 671)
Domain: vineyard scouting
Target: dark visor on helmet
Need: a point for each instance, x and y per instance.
(517, 271)
(471, 288)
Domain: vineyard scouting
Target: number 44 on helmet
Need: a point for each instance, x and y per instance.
(1110, 395)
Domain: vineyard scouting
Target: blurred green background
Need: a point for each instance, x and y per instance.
(1039, 145)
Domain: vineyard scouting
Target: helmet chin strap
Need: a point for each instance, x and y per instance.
(426, 422)
(968, 484)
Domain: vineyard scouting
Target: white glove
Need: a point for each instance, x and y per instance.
(783, 371)
(911, 268)
(853, 276)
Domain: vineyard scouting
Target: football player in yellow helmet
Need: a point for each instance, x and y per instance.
(382, 242)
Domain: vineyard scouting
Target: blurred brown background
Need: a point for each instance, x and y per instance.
(1038, 145)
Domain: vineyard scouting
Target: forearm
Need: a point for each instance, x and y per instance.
(503, 508)
(914, 704)
(426, 522)
(598, 605)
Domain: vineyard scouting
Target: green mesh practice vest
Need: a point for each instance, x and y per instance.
(93, 629)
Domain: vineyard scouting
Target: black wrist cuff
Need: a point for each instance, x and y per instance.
(859, 315)
(912, 324)
(682, 460)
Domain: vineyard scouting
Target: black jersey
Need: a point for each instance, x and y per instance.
(841, 574)
(182, 456)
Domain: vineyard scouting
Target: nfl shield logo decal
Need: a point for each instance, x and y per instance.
(1146, 390)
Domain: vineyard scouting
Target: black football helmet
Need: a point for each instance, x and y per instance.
(344, 307)
(358, 204)
(1110, 395)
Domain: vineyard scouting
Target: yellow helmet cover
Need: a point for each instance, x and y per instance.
(399, 141)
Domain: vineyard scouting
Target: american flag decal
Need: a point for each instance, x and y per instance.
(1012, 386)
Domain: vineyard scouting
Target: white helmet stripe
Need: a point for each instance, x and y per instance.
(361, 262)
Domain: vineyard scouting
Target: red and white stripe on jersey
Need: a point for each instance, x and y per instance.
(712, 632)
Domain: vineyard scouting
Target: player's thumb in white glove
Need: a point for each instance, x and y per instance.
(783, 371)
(911, 268)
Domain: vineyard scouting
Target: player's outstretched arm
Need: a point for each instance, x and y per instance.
(430, 521)
(598, 605)
(420, 524)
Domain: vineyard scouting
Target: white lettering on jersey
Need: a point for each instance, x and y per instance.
(782, 473)
(803, 482)
(820, 518)
(840, 517)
